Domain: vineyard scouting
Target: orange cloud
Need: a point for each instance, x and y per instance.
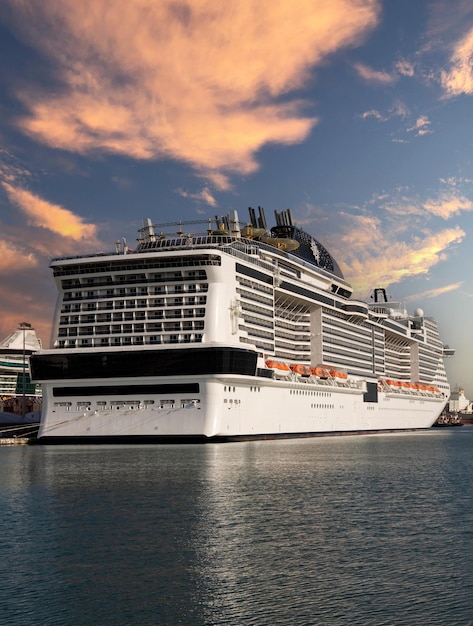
(400, 260)
(202, 82)
(459, 78)
(44, 214)
(14, 258)
(375, 252)
(374, 76)
(448, 205)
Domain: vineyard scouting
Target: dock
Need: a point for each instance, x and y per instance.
(14, 441)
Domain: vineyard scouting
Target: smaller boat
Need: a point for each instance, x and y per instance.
(447, 420)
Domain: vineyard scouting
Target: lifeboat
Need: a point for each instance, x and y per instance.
(321, 372)
(300, 370)
(278, 365)
(280, 369)
(338, 374)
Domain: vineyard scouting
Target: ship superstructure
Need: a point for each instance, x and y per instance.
(237, 332)
(17, 393)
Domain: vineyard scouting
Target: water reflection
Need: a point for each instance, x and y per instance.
(365, 530)
(324, 531)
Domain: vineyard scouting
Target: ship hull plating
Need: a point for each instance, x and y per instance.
(226, 408)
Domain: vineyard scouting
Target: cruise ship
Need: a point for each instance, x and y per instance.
(235, 332)
(17, 394)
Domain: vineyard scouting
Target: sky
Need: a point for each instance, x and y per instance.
(355, 114)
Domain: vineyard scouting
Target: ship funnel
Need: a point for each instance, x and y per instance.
(258, 221)
(233, 223)
(284, 218)
(148, 231)
(262, 218)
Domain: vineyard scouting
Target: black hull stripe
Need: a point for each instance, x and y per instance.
(132, 364)
(124, 390)
(202, 439)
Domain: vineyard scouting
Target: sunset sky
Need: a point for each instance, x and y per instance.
(355, 114)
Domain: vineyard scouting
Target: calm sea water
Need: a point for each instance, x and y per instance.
(334, 531)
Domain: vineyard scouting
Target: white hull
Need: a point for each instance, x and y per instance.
(232, 407)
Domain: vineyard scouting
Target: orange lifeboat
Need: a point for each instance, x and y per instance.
(338, 374)
(301, 370)
(321, 372)
(277, 365)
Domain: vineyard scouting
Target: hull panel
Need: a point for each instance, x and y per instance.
(228, 408)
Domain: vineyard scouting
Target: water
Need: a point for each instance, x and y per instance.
(369, 530)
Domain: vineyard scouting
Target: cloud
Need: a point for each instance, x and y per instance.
(374, 258)
(204, 195)
(398, 109)
(44, 214)
(389, 239)
(433, 293)
(29, 237)
(448, 204)
(421, 126)
(373, 113)
(206, 83)
(459, 78)
(14, 258)
(371, 75)
(405, 68)
(11, 169)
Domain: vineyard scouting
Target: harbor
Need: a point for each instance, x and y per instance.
(235, 295)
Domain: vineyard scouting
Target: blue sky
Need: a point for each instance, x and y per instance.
(356, 114)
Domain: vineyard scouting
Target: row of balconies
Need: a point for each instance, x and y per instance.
(129, 341)
(67, 320)
(134, 291)
(101, 281)
(119, 305)
(126, 329)
(256, 297)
